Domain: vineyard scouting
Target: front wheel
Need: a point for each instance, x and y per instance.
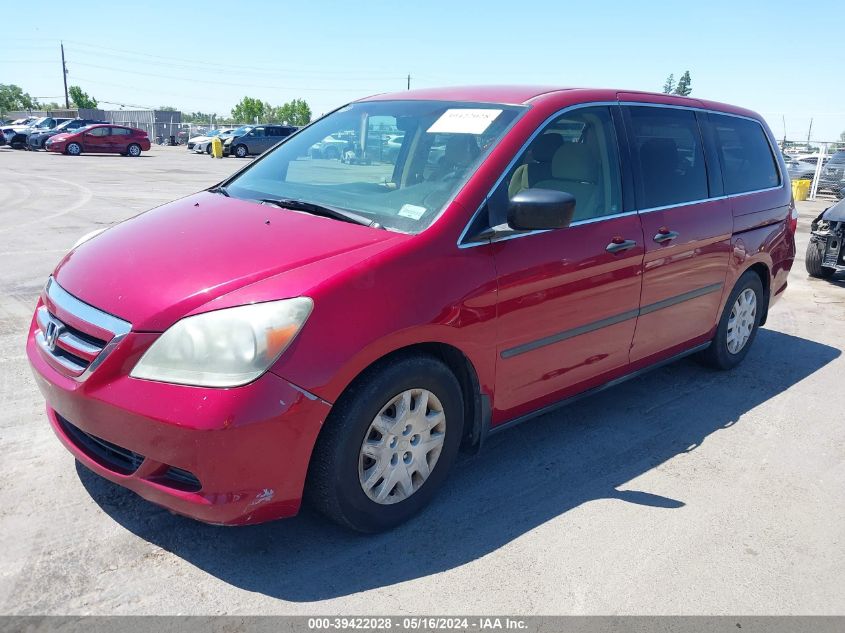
(738, 326)
(74, 149)
(387, 445)
(813, 261)
(241, 151)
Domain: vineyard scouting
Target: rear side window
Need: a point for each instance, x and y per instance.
(668, 150)
(120, 131)
(746, 156)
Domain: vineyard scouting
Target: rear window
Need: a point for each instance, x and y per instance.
(748, 163)
(668, 149)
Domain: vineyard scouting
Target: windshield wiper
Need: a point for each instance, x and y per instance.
(322, 210)
(220, 189)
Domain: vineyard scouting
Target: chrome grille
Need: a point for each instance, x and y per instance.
(71, 349)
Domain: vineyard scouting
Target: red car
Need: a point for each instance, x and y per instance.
(337, 331)
(100, 139)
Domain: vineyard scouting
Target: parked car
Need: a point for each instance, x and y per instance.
(204, 147)
(331, 147)
(207, 136)
(37, 139)
(800, 170)
(256, 140)
(338, 332)
(832, 176)
(103, 139)
(825, 252)
(2, 138)
(16, 135)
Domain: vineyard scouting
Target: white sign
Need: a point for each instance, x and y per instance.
(412, 211)
(464, 121)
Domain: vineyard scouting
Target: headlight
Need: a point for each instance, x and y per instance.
(225, 348)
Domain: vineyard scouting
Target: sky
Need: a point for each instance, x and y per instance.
(205, 56)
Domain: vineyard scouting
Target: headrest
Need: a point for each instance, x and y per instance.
(544, 147)
(575, 161)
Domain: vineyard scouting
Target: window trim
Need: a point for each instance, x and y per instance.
(461, 244)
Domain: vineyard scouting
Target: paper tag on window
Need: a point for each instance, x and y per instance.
(412, 211)
(464, 121)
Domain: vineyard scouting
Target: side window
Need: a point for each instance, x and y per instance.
(746, 156)
(576, 153)
(257, 132)
(99, 131)
(120, 131)
(666, 144)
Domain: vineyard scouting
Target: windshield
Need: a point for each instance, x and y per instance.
(395, 162)
(63, 126)
(838, 157)
(239, 131)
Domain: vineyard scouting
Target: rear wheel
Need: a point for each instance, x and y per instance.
(133, 150)
(738, 326)
(74, 149)
(813, 261)
(388, 444)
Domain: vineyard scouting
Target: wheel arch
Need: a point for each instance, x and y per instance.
(477, 405)
(765, 275)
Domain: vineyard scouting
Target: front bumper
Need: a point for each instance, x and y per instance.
(223, 456)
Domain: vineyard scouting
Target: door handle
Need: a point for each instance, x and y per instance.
(665, 235)
(618, 245)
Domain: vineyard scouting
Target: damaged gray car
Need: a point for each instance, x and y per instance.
(825, 255)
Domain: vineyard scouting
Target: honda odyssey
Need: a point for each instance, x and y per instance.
(337, 331)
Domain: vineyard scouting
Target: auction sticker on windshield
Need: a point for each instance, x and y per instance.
(464, 121)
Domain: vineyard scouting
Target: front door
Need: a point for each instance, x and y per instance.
(687, 225)
(568, 298)
(96, 139)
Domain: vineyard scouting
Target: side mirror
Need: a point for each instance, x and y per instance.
(539, 209)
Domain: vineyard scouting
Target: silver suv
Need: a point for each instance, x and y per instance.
(256, 140)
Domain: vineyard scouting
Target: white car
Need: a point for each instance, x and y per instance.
(204, 140)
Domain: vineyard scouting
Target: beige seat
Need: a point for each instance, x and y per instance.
(576, 169)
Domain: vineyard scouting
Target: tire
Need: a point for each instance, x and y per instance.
(133, 150)
(335, 485)
(208, 150)
(241, 151)
(73, 149)
(719, 355)
(813, 262)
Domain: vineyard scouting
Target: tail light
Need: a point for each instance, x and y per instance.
(792, 221)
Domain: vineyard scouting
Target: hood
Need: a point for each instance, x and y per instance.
(159, 266)
(62, 136)
(836, 213)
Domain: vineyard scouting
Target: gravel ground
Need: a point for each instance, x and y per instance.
(695, 492)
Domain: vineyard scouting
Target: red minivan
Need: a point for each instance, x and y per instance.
(336, 329)
(100, 139)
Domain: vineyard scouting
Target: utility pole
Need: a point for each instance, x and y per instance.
(810, 131)
(409, 81)
(64, 75)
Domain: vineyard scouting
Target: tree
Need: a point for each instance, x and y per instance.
(296, 112)
(669, 86)
(167, 109)
(684, 87)
(81, 99)
(248, 110)
(12, 97)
